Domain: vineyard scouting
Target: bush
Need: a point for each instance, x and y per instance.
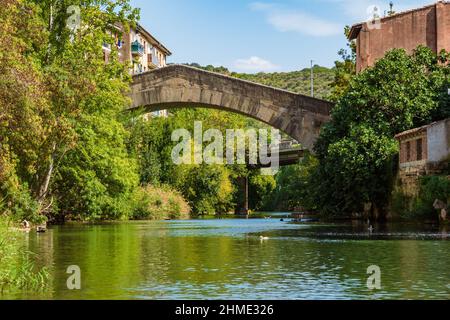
(431, 188)
(207, 188)
(158, 203)
(17, 271)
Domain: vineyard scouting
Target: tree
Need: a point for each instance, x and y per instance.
(260, 189)
(55, 88)
(293, 186)
(356, 150)
(22, 104)
(344, 70)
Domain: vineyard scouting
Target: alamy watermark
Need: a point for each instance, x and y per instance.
(374, 280)
(251, 147)
(374, 20)
(74, 280)
(73, 22)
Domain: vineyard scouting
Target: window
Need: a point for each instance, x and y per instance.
(419, 144)
(408, 151)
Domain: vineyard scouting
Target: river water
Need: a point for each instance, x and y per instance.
(227, 259)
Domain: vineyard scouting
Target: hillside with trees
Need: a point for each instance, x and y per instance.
(295, 81)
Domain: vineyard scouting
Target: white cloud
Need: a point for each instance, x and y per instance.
(288, 20)
(303, 23)
(297, 21)
(255, 64)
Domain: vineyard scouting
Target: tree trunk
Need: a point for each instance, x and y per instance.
(43, 189)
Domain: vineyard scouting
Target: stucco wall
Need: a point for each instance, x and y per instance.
(438, 141)
(429, 26)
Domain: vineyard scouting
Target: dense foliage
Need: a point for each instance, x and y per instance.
(344, 70)
(62, 136)
(67, 151)
(422, 204)
(357, 150)
(158, 203)
(209, 189)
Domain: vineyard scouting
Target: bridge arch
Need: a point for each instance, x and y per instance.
(179, 86)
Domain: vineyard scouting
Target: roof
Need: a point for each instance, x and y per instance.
(153, 40)
(418, 130)
(411, 132)
(356, 28)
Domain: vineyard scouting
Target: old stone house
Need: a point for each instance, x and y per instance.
(425, 150)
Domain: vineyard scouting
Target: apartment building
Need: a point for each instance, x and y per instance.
(142, 50)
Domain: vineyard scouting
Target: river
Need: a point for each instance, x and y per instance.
(227, 259)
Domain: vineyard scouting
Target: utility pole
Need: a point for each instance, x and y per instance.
(312, 78)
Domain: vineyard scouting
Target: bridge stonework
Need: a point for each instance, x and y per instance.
(179, 86)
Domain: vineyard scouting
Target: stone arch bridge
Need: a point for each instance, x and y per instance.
(178, 86)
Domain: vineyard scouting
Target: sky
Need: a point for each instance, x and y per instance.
(257, 35)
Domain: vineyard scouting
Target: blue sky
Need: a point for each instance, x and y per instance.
(257, 35)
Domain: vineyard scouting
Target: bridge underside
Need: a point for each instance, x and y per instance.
(178, 86)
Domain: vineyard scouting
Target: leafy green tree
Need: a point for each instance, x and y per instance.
(58, 96)
(207, 188)
(97, 177)
(260, 189)
(22, 102)
(344, 70)
(293, 186)
(357, 150)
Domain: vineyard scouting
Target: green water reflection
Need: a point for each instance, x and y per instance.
(226, 259)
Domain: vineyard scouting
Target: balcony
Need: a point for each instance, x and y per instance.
(137, 49)
(150, 63)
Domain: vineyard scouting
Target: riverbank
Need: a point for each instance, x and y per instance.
(17, 268)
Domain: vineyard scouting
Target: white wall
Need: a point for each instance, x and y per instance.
(438, 141)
